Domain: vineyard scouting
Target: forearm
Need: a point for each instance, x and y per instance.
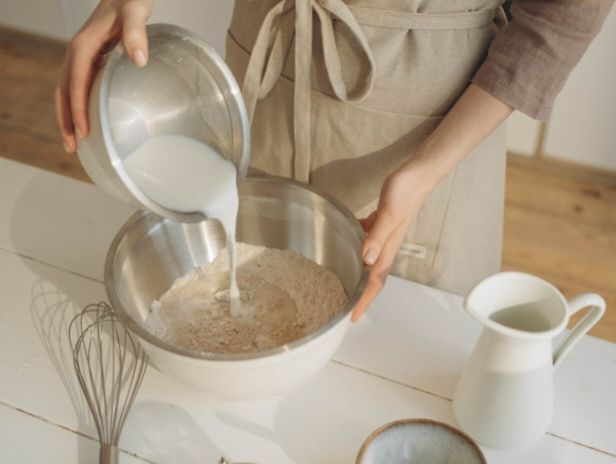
(472, 118)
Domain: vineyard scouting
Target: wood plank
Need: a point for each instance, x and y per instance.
(25, 45)
(40, 151)
(29, 106)
(564, 169)
(54, 443)
(554, 193)
(29, 68)
(29, 133)
(576, 257)
(574, 250)
(560, 224)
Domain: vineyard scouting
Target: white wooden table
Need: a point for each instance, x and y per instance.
(402, 360)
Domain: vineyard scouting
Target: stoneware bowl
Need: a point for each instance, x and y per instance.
(150, 252)
(419, 441)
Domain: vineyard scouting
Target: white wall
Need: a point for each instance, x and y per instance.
(522, 133)
(46, 17)
(582, 127)
(208, 18)
(62, 18)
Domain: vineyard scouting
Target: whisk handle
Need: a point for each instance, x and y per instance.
(109, 454)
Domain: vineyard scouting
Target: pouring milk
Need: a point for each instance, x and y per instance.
(186, 175)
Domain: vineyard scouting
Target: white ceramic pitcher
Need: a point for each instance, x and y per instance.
(504, 398)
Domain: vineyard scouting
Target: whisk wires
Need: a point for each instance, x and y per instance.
(110, 365)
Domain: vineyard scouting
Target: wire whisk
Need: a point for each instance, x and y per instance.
(110, 365)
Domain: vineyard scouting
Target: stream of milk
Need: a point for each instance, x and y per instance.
(186, 175)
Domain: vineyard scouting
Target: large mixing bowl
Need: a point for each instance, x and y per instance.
(150, 252)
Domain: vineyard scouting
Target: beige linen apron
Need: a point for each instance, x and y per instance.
(340, 93)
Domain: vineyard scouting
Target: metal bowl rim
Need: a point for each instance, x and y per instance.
(143, 333)
(238, 106)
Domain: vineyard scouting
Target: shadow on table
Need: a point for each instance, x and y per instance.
(55, 224)
(303, 409)
(52, 312)
(167, 434)
(161, 432)
(43, 217)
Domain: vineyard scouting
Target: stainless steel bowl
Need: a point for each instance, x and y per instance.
(185, 89)
(150, 252)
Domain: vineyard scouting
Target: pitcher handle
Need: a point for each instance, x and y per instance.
(597, 308)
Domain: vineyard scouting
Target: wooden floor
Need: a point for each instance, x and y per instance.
(560, 219)
(560, 224)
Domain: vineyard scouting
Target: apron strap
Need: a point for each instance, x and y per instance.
(268, 57)
(303, 87)
(276, 35)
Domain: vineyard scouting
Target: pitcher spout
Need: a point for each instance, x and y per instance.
(518, 305)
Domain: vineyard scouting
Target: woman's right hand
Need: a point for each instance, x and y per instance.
(111, 21)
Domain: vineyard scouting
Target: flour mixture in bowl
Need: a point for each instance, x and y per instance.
(284, 296)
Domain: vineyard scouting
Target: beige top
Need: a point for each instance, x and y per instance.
(530, 59)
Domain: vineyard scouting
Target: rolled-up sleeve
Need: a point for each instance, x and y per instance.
(531, 57)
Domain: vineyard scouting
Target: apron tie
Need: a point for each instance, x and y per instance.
(268, 56)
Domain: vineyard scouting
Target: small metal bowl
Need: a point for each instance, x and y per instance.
(424, 441)
(185, 89)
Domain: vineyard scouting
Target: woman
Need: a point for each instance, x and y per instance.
(392, 106)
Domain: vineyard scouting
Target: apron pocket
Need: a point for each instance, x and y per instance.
(355, 149)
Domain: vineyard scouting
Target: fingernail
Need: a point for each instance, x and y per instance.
(371, 256)
(139, 58)
(67, 148)
(79, 133)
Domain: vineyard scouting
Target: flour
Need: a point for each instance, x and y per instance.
(283, 295)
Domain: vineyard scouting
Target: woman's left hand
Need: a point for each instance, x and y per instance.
(471, 119)
(399, 202)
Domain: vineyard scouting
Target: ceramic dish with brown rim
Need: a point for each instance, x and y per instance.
(424, 441)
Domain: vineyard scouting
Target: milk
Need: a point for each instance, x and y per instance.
(185, 175)
(526, 316)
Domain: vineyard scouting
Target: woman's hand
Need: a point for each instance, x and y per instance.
(111, 21)
(401, 197)
(471, 119)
